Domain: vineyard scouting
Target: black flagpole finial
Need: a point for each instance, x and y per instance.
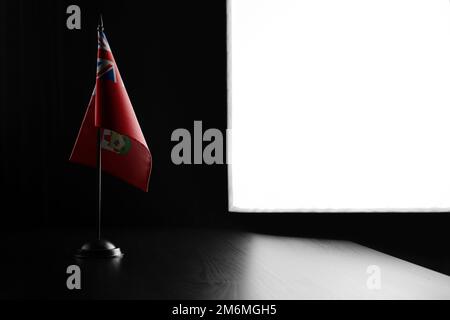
(100, 24)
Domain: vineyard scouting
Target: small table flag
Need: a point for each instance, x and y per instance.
(124, 151)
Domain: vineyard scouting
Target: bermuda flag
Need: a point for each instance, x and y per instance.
(124, 151)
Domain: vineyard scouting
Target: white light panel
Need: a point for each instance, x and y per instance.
(339, 105)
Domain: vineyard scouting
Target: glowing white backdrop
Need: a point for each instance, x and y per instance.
(339, 105)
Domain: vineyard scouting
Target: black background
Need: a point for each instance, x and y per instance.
(173, 61)
(172, 56)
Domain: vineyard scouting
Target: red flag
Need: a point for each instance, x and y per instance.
(125, 153)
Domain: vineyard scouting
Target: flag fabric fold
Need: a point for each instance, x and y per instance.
(124, 151)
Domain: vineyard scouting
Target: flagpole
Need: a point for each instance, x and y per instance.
(100, 28)
(99, 194)
(99, 248)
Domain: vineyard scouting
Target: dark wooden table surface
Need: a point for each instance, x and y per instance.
(208, 264)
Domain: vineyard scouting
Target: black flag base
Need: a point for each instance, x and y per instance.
(98, 249)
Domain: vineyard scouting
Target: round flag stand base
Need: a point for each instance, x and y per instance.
(98, 249)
